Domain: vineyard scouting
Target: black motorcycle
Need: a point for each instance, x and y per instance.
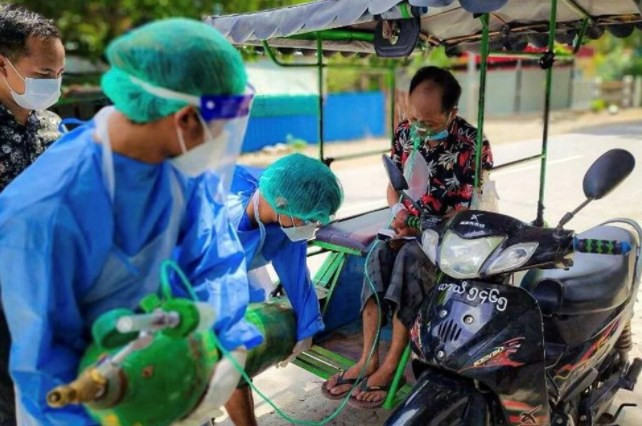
(549, 349)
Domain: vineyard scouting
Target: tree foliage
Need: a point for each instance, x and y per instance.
(342, 79)
(88, 25)
(616, 57)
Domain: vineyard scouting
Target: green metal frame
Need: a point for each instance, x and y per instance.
(526, 55)
(580, 35)
(539, 221)
(328, 277)
(320, 85)
(482, 97)
(394, 397)
(336, 248)
(334, 35)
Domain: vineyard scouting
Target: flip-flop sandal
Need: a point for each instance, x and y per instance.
(369, 405)
(340, 381)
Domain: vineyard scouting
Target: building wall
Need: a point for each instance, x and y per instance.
(506, 95)
(348, 116)
(353, 116)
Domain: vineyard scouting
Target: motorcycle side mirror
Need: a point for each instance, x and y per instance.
(607, 172)
(604, 175)
(396, 178)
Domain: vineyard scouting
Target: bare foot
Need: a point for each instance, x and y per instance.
(351, 373)
(382, 377)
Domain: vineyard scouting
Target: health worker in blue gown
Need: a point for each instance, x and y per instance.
(85, 229)
(276, 212)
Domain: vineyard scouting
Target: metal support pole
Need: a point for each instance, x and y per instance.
(482, 98)
(539, 221)
(517, 162)
(525, 55)
(389, 403)
(471, 78)
(336, 35)
(580, 36)
(571, 85)
(269, 50)
(392, 85)
(517, 102)
(320, 84)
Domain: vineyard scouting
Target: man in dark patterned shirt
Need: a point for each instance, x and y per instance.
(31, 63)
(399, 270)
(32, 59)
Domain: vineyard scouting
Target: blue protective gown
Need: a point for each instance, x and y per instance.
(58, 227)
(288, 258)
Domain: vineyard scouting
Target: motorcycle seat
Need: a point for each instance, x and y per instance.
(594, 283)
(355, 232)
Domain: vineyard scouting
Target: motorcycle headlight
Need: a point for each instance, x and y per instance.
(429, 242)
(461, 258)
(512, 258)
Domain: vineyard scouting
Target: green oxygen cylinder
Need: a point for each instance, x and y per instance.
(153, 369)
(148, 369)
(277, 323)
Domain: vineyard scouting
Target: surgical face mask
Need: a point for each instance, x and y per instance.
(224, 120)
(40, 93)
(201, 158)
(305, 232)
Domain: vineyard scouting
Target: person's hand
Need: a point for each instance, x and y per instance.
(400, 226)
(396, 244)
(399, 222)
(301, 346)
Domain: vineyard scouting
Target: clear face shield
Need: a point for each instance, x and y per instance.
(224, 119)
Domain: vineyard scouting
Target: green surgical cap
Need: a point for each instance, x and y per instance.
(179, 54)
(301, 187)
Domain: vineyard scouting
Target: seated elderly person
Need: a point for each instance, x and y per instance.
(399, 270)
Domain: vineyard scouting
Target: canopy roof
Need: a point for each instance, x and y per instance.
(442, 22)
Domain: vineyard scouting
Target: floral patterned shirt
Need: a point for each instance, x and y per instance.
(451, 166)
(20, 145)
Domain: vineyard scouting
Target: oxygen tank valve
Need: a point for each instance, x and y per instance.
(86, 388)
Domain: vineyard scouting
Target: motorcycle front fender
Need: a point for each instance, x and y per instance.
(441, 399)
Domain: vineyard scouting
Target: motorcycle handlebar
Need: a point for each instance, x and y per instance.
(589, 245)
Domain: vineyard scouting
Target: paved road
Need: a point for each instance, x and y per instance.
(570, 155)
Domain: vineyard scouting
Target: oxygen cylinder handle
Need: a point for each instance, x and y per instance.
(154, 321)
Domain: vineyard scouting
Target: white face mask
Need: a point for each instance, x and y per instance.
(40, 93)
(299, 233)
(201, 158)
